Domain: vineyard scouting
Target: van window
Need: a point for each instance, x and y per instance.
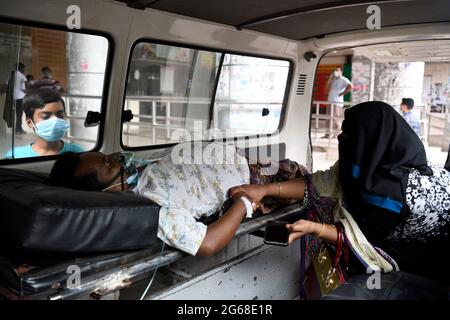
(168, 89)
(49, 79)
(185, 94)
(250, 95)
(411, 76)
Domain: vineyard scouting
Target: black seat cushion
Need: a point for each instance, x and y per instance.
(36, 216)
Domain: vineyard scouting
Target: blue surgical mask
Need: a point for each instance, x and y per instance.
(130, 165)
(52, 129)
(133, 179)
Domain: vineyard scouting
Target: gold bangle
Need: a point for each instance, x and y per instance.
(321, 231)
(279, 189)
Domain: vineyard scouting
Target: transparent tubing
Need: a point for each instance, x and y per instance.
(129, 161)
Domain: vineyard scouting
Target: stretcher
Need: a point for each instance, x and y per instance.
(101, 274)
(41, 252)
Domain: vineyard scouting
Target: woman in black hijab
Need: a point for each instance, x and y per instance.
(400, 202)
(377, 152)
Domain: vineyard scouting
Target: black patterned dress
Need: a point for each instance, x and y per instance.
(421, 244)
(428, 199)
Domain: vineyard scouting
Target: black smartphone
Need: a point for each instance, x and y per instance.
(276, 233)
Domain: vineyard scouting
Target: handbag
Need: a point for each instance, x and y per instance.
(326, 270)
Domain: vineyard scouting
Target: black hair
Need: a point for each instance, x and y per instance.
(19, 66)
(408, 102)
(63, 174)
(45, 69)
(38, 98)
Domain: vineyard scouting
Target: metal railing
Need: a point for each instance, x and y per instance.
(151, 124)
(329, 118)
(169, 122)
(322, 123)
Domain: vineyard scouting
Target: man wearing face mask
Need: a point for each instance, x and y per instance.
(338, 86)
(45, 111)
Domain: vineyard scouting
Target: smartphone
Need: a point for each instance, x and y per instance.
(276, 233)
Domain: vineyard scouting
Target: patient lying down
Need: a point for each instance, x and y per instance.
(186, 190)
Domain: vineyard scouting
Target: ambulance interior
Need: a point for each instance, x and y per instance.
(142, 76)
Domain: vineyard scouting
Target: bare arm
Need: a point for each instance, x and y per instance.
(221, 232)
(292, 189)
(347, 89)
(295, 189)
(301, 227)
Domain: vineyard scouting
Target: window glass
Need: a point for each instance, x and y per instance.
(49, 80)
(249, 95)
(170, 92)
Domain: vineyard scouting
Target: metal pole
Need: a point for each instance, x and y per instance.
(317, 118)
(13, 129)
(154, 122)
(128, 127)
(331, 123)
(168, 120)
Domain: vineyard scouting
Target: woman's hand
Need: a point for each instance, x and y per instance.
(255, 193)
(300, 228)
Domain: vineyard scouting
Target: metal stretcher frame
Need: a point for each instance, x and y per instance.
(123, 276)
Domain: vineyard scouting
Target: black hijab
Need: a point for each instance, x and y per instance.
(377, 150)
(447, 163)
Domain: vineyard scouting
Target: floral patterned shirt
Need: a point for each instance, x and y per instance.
(428, 198)
(186, 191)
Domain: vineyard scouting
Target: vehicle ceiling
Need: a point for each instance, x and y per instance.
(302, 19)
